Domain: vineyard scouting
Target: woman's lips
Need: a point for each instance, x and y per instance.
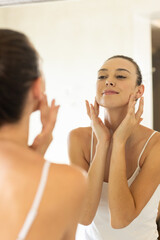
(110, 92)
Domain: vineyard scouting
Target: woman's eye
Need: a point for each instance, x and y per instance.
(102, 77)
(121, 76)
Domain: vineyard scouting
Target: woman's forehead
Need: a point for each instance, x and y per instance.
(119, 63)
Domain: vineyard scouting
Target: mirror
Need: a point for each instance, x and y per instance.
(74, 38)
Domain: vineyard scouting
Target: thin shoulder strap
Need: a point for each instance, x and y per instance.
(145, 147)
(91, 153)
(34, 209)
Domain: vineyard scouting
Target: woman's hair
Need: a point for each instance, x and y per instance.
(19, 68)
(138, 71)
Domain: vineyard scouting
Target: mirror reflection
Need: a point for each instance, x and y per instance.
(108, 54)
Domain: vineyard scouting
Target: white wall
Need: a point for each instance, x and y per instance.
(74, 38)
(142, 54)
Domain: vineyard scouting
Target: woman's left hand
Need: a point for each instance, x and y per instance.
(131, 120)
(48, 120)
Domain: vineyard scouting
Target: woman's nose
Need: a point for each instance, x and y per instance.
(110, 83)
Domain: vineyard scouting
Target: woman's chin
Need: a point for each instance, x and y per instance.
(107, 104)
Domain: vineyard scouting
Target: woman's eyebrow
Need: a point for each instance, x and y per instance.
(122, 69)
(103, 69)
(118, 69)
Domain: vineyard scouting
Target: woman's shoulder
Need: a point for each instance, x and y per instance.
(64, 195)
(151, 142)
(156, 141)
(71, 172)
(66, 182)
(150, 135)
(81, 134)
(80, 131)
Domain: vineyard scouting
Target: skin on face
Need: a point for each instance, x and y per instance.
(117, 75)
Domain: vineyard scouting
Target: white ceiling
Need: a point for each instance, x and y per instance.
(13, 2)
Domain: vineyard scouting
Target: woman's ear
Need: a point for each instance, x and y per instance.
(37, 89)
(139, 91)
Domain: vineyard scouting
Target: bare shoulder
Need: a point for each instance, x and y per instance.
(68, 178)
(147, 134)
(66, 172)
(156, 144)
(79, 140)
(152, 160)
(152, 136)
(147, 139)
(64, 197)
(66, 190)
(81, 133)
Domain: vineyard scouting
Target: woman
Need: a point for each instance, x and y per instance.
(122, 161)
(38, 200)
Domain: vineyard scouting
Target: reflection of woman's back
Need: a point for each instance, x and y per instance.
(37, 199)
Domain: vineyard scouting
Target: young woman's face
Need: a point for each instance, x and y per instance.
(116, 81)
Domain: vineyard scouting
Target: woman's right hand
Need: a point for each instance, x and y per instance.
(101, 131)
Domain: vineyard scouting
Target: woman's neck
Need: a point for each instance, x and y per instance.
(17, 132)
(114, 117)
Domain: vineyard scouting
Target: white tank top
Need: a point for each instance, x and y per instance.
(143, 227)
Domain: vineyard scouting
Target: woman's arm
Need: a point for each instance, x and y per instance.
(127, 202)
(95, 174)
(95, 170)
